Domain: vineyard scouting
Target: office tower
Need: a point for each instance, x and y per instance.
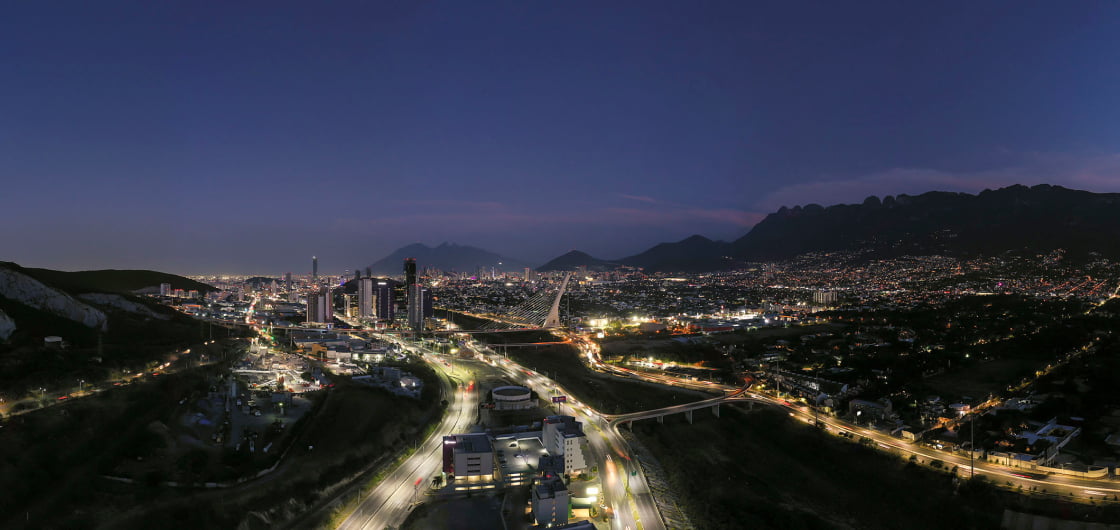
(288, 280)
(415, 307)
(409, 271)
(314, 268)
(365, 297)
(427, 309)
(358, 273)
(165, 289)
(386, 309)
(528, 274)
(320, 306)
(369, 272)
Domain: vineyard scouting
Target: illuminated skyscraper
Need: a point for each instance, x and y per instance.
(426, 306)
(365, 297)
(314, 267)
(412, 294)
(409, 271)
(386, 309)
(415, 307)
(320, 306)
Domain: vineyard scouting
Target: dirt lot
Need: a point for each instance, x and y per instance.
(984, 378)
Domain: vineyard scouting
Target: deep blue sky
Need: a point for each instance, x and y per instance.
(207, 137)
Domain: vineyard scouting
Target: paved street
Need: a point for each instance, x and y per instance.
(394, 496)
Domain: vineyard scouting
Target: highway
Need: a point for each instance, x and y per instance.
(626, 492)
(625, 489)
(1064, 485)
(391, 500)
(1056, 484)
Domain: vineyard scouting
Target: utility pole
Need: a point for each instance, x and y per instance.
(972, 449)
(778, 378)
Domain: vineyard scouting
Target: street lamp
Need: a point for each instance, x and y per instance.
(81, 383)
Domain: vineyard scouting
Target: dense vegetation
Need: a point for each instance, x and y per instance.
(113, 281)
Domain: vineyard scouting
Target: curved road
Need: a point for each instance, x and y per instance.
(389, 503)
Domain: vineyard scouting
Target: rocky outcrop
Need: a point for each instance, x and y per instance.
(122, 303)
(24, 289)
(7, 325)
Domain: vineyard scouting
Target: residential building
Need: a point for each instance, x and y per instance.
(319, 306)
(563, 436)
(365, 297)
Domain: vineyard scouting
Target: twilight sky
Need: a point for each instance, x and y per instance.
(199, 137)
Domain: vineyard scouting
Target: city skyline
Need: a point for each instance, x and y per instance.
(578, 265)
(347, 132)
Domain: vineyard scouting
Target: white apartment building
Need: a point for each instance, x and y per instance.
(563, 436)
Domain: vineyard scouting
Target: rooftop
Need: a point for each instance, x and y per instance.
(549, 486)
(511, 391)
(470, 443)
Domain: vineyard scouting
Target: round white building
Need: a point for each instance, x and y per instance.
(512, 398)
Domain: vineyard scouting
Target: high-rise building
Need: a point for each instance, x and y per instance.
(288, 281)
(314, 267)
(320, 306)
(409, 271)
(358, 273)
(826, 298)
(386, 309)
(415, 307)
(427, 309)
(365, 297)
(313, 307)
(165, 289)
